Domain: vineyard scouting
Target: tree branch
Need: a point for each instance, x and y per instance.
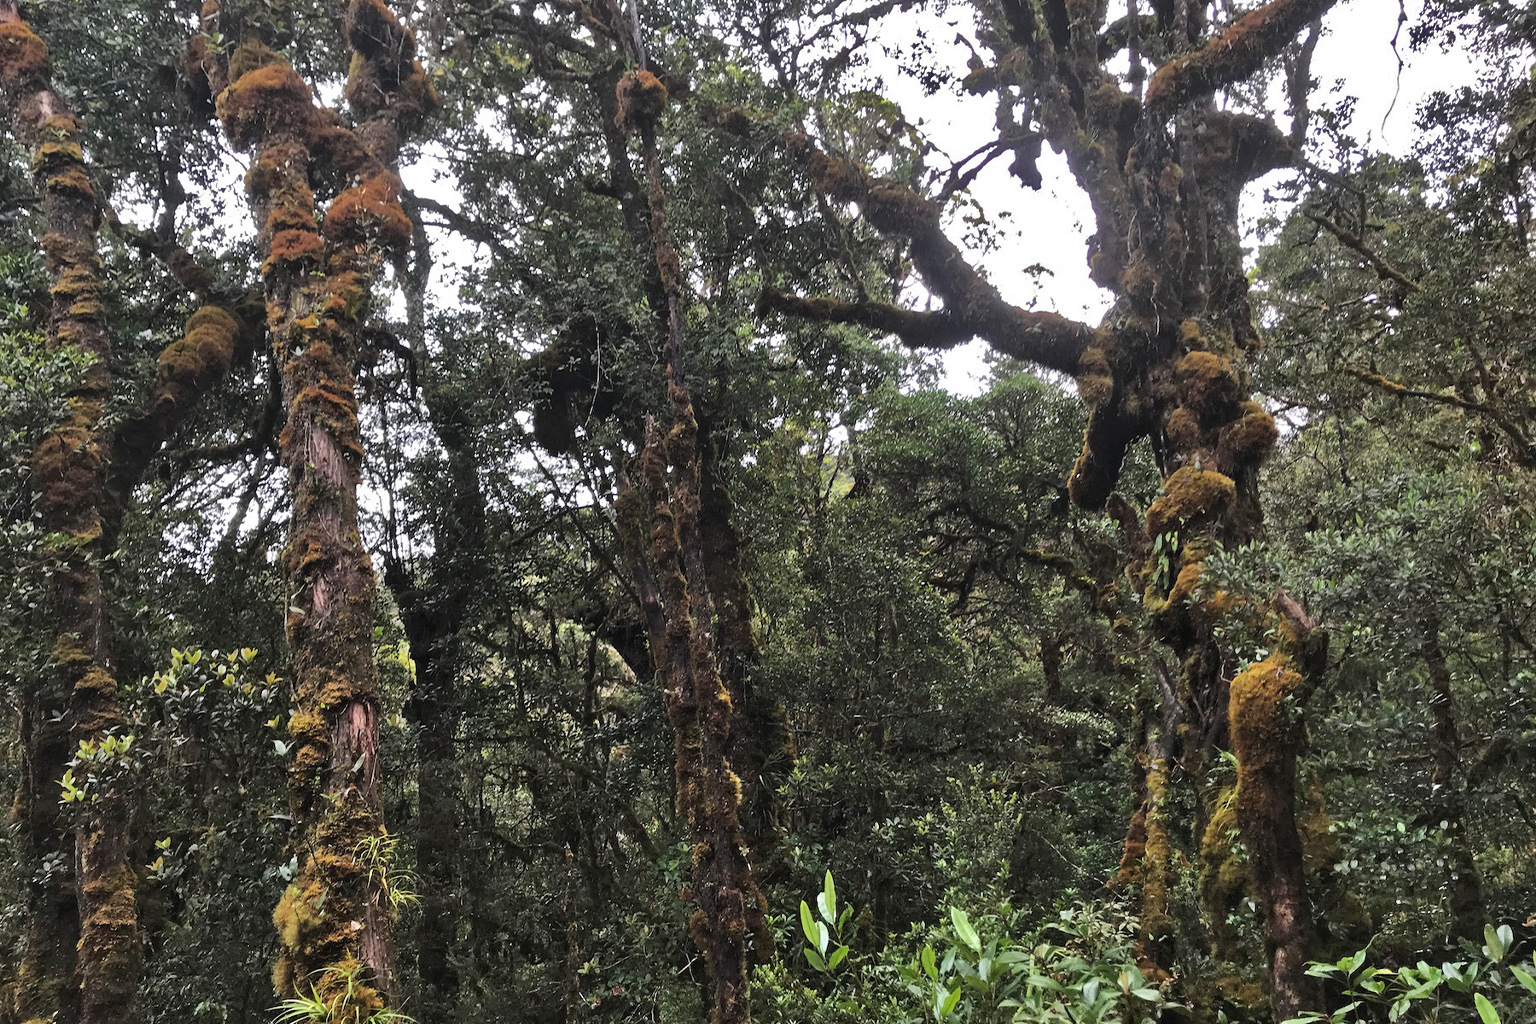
(1047, 339)
(1239, 51)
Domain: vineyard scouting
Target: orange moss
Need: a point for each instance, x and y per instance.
(23, 56)
(642, 97)
(1183, 430)
(369, 211)
(65, 465)
(293, 246)
(374, 32)
(268, 100)
(1188, 494)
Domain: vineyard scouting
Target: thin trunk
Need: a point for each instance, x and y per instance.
(729, 914)
(761, 749)
(1267, 735)
(1447, 797)
(67, 470)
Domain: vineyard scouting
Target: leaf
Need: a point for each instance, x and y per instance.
(815, 959)
(823, 936)
(1496, 946)
(964, 930)
(807, 923)
(953, 999)
(827, 901)
(1485, 1009)
(1524, 979)
(930, 963)
(837, 957)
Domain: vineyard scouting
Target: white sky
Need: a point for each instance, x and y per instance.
(1050, 227)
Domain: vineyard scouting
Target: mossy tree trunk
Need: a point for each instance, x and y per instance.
(679, 610)
(90, 975)
(1163, 172)
(333, 921)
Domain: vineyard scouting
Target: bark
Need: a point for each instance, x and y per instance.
(1447, 797)
(67, 471)
(333, 924)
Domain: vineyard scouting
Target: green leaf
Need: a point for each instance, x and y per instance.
(953, 999)
(837, 957)
(1485, 1009)
(827, 901)
(815, 959)
(1524, 979)
(807, 923)
(930, 963)
(963, 929)
(1495, 948)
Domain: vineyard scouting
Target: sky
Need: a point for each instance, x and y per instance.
(1356, 58)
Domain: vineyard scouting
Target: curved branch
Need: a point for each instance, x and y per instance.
(1239, 51)
(1047, 339)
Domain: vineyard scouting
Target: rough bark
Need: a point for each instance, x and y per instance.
(67, 471)
(333, 922)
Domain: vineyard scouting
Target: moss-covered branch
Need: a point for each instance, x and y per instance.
(1046, 339)
(1236, 53)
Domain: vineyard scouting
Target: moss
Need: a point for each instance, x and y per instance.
(270, 100)
(1139, 280)
(66, 465)
(1258, 711)
(1247, 441)
(201, 356)
(51, 156)
(375, 33)
(293, 246)
(1095, 379)
(71, 181)
(642, 97)
(23, 56)
(1189, 494)
(369, 211)
(1183, 430)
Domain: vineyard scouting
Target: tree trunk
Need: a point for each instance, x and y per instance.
(68, 470)
(333, 921)
(1447, 795)
(679, 614)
